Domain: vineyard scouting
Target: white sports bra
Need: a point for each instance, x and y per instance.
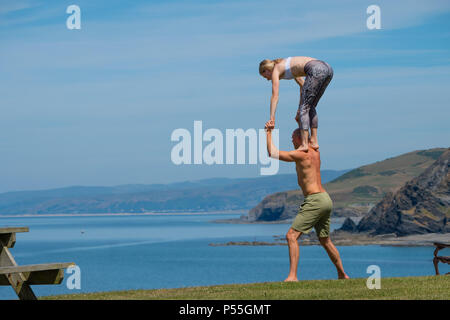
(287, 70)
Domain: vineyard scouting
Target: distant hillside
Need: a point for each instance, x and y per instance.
(355, 192)
(422, 205)
(202, 195)
(369, 184)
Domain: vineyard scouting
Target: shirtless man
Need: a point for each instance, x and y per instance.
(316, 208)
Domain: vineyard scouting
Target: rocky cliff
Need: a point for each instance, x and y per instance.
(422, 205)
(276, 207)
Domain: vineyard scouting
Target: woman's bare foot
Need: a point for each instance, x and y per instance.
(291, 279)
(313, 143)
(303, 147)
(344, 276)
(313, 139)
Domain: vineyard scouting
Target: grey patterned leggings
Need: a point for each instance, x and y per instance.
(318, 76)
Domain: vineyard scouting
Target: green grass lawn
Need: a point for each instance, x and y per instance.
(431, 287)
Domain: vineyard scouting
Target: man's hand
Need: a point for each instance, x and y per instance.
(270, 125)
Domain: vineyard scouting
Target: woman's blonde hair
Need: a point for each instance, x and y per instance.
(268, 64)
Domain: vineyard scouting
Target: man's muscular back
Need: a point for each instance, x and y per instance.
(307, 165)
(315, 157)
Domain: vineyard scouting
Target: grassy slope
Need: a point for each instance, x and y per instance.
(431, 287)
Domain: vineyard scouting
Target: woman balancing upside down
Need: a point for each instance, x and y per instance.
(318, 75)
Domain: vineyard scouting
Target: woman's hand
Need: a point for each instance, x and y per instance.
(297, 117)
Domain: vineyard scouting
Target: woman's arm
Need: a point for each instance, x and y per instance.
(275, 91)
(300, 81)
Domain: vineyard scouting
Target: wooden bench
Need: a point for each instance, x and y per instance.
(437, 258)
(20, 278)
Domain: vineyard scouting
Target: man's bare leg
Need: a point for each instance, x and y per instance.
(333, 253)
(294, 253)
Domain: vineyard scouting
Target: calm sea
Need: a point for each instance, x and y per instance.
(170, 251)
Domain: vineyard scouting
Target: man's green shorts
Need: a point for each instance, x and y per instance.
(314, 212)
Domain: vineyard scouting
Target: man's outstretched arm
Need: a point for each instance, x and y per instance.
(288, 156)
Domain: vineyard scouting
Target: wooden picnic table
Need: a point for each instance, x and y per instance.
(437, 258)
(20, 278)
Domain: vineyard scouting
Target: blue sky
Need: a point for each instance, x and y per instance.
(97, 106)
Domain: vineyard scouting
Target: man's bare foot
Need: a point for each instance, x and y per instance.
(291, 279)
(343, 276)
(303, 147)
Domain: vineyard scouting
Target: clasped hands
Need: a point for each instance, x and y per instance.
(270, 125)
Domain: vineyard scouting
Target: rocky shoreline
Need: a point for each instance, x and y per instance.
(339, 220)
(342, 238)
